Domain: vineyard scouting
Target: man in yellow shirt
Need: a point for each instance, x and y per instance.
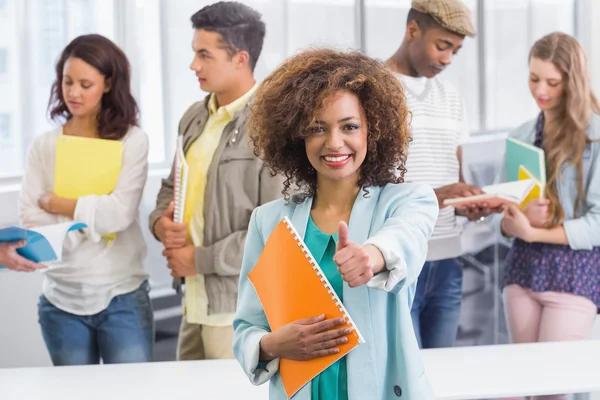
(225, 180)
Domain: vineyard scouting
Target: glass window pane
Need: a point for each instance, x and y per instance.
(11, 98)
(5, 131)
(141, 42)
(275, 47)
(181, 87)
(3, 61)
(53, 24)
(29, 49)
(385, 23)
(321, 22)
(552, 15)
(464, 73)
(511, 28)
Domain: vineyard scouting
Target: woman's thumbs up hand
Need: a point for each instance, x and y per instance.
(356, 264)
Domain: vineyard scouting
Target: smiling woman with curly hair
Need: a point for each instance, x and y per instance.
(287, 102)
(336, 125)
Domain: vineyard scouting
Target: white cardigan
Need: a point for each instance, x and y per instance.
(91, 273)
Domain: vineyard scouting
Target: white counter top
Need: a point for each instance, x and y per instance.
(458, 373)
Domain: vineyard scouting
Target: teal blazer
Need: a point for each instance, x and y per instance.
(398, 219)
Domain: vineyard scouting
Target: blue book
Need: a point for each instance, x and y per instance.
(519, 153)
(44, 244)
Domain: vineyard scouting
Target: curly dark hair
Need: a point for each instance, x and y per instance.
(119, 111)
(287, 101)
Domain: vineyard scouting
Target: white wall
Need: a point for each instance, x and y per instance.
(21, 343)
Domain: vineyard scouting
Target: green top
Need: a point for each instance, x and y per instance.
(330, 384)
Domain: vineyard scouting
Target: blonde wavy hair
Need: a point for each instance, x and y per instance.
(565, 137)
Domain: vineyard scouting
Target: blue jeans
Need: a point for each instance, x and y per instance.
(436, 307)
(122, 333)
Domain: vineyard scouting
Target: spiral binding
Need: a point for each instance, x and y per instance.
(180, 181)
(177, 217)
(322, 277)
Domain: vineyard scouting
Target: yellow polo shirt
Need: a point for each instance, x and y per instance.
(199, 158)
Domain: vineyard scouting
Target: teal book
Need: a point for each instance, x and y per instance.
(519, 153)
(42, 244)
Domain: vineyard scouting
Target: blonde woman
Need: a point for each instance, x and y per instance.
(552, 288)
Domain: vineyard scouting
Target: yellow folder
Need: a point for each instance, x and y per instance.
(86, 166)
(536, 192)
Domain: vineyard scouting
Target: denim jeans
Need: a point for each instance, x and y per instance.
(436, 308)
(122, 333)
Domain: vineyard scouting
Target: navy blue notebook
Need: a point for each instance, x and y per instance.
(43, 244)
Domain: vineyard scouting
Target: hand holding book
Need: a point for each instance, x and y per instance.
(498, 196)
(456, 190)
(11, 259)
(474, 209)
(282, 277)
(305, 339)
(43, 244)
(173, 235)
(516, 224)
(537, 212)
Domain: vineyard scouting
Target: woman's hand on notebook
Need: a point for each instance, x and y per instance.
(305, 339)
(516, 224)
(537, 212)
(172, 234)
(14, 261)
(357, 264)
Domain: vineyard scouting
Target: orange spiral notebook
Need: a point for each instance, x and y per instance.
(291, 286)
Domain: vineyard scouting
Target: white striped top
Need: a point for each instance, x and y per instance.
(438, 126)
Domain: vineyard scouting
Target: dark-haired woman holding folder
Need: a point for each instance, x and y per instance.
(336, 125)
(95, 304)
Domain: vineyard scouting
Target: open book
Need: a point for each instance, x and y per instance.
(509, 193)
(44, 244)
(291, 286)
